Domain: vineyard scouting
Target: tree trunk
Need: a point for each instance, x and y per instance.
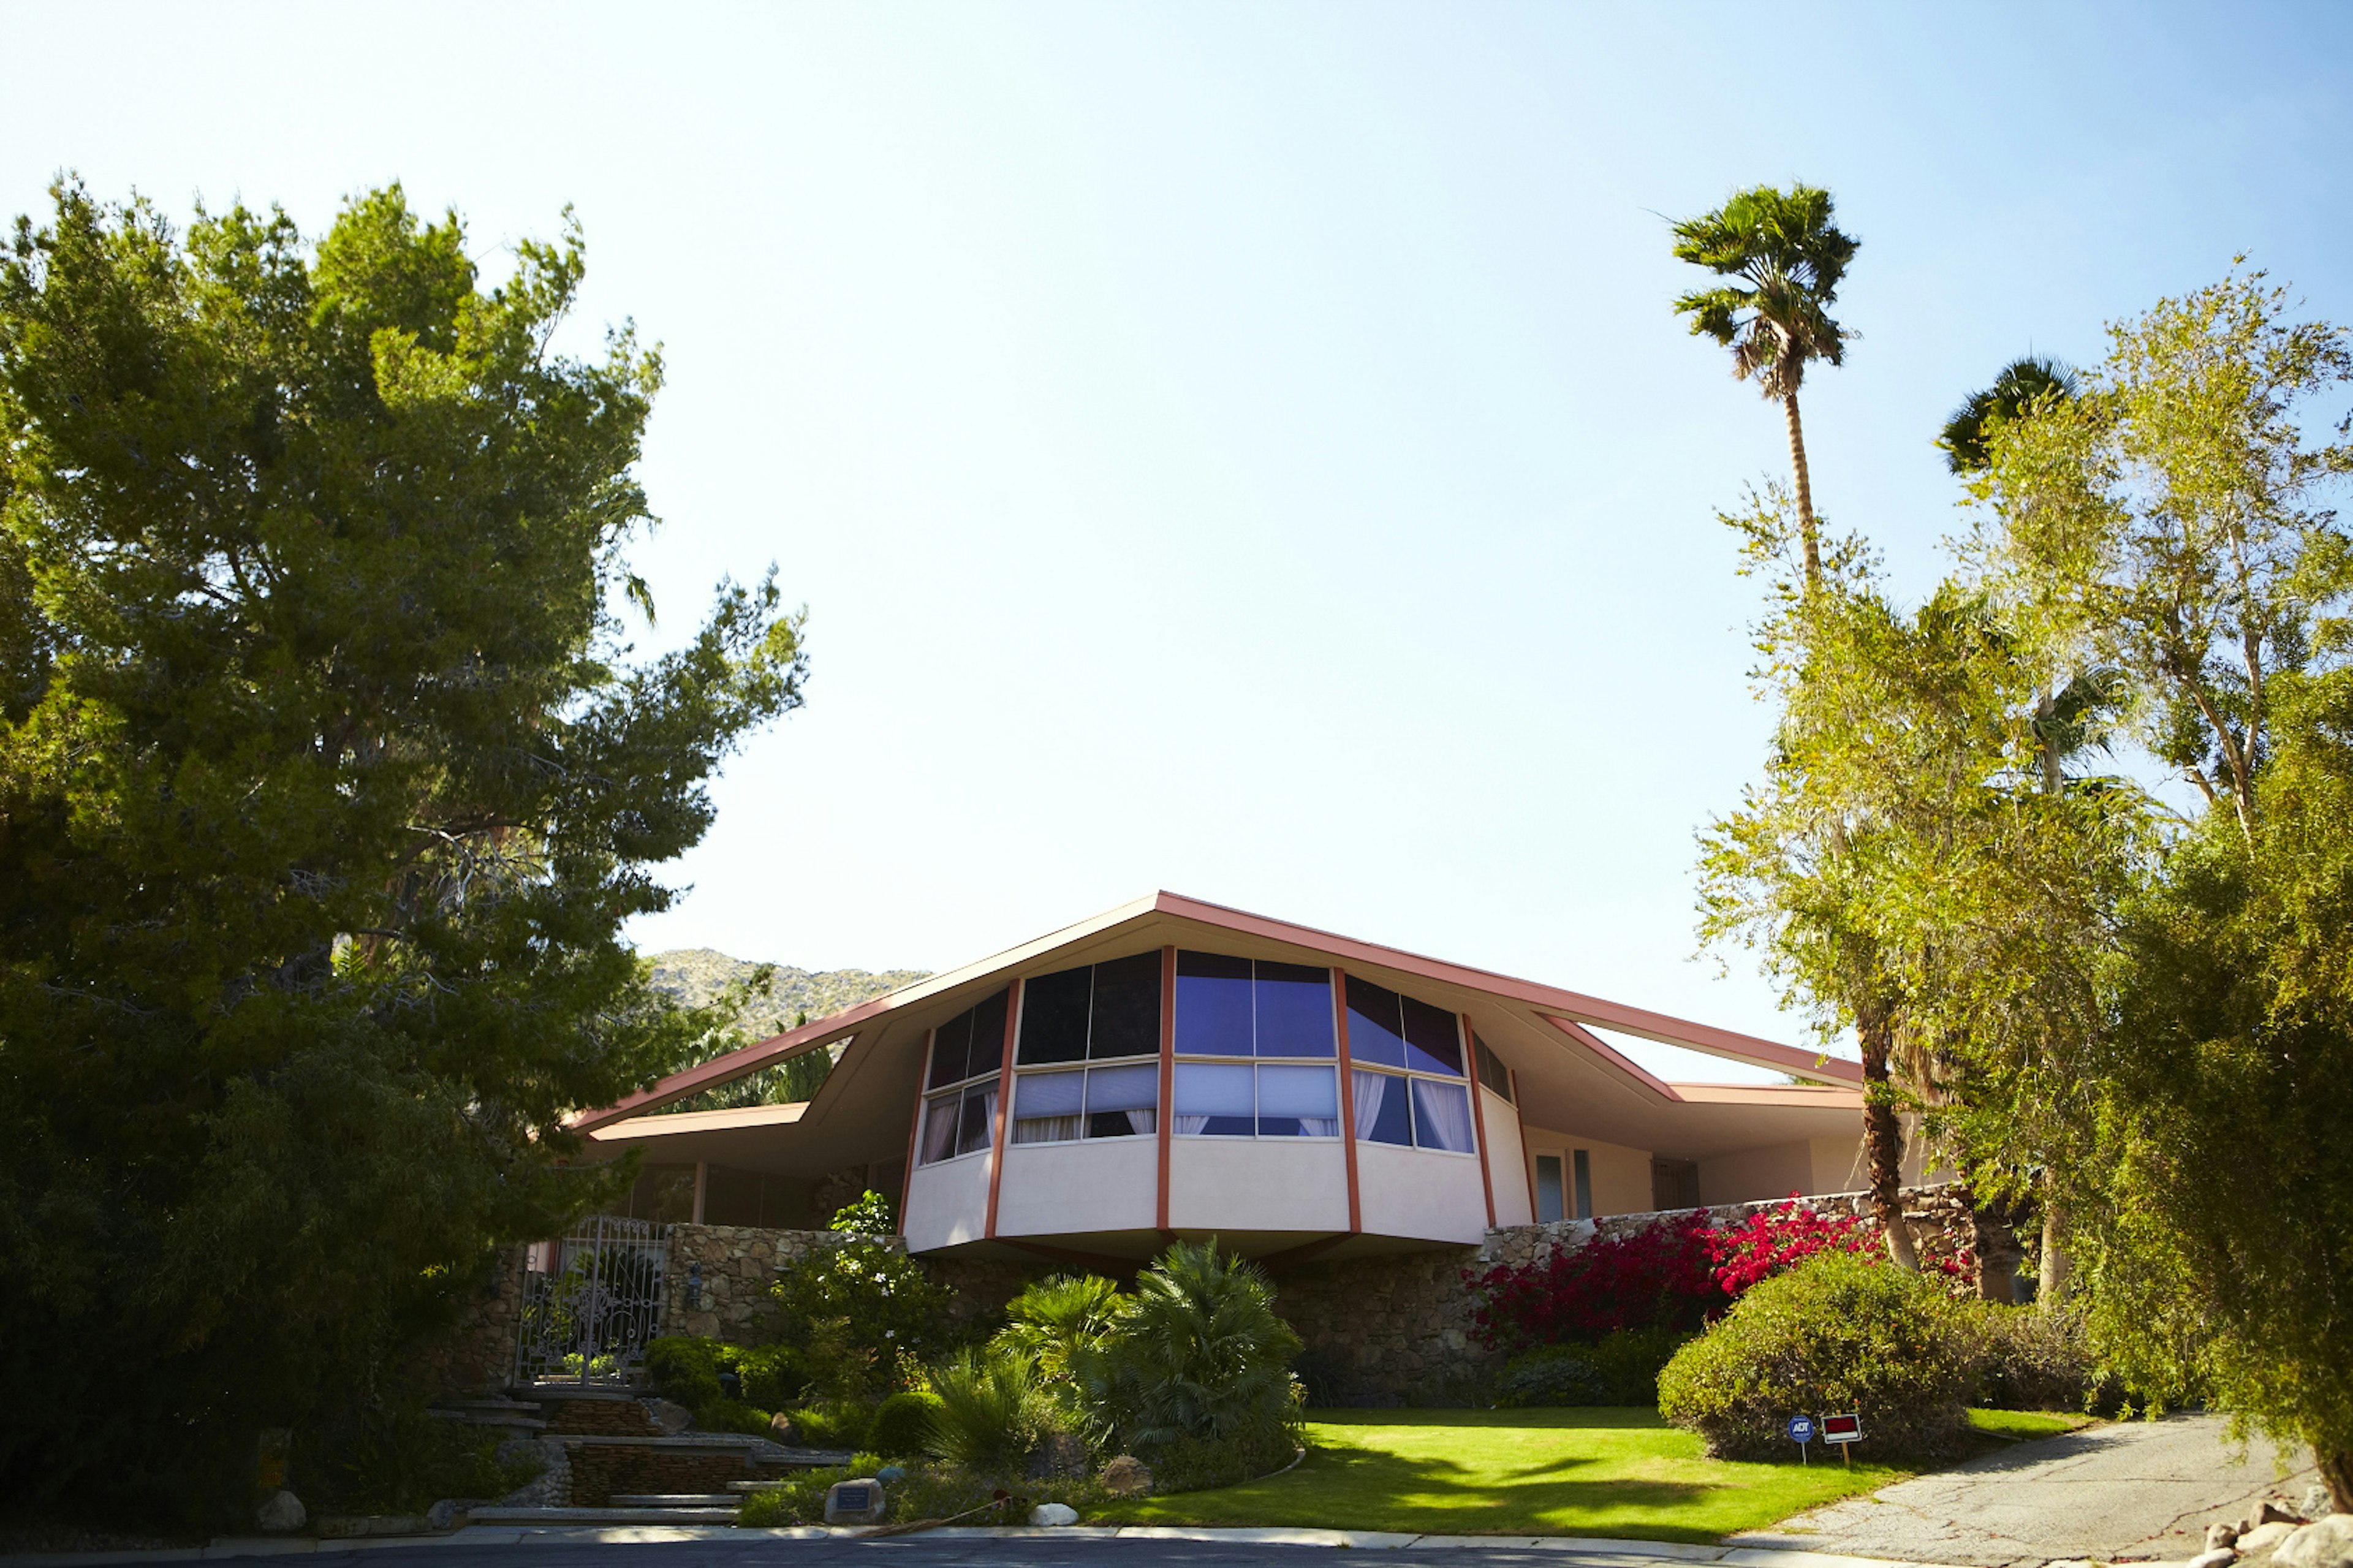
(2336, 1470)
(1882, 1135)
(1805, 491)
(2051, 1286)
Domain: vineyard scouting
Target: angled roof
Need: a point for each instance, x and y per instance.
(1520, 1015)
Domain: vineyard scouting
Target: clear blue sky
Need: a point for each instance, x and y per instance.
(1246, 448)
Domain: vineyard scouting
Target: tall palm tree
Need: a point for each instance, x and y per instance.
(2023, 385)
(1787, 259)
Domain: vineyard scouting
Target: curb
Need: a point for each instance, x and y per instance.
(1587, 1551)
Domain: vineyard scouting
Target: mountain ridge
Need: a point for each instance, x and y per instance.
(697, 976)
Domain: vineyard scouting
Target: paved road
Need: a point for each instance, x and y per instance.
(1049, 1552)
(2137, 1489)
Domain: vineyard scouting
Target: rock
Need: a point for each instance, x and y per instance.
(1053, 1514)
(2218, 1535)
(2263, 1537)
(449, 1512)
(1062, 1457)
(672, 1416)
(2327, 1544)
(281, 1512)
(2218, 1557)
(1126, 1476)
(2318, 1503)
(856, 1502)
(2273, 1511)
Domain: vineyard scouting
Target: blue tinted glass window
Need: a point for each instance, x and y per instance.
(1376, 1034)
(988, 1034)
(1126, 1008)
(952, 1051)
(1381, 1113)
(1213, 1005)
(977, 1129)
(1122, 1102)
(1214, 1099)
(1432, 1044)
(1046, 1107)
(1297, 1103)
(1294, 1010)
(1054, 1017)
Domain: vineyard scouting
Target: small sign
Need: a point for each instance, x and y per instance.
(1843, 1428)
(1802, 1429)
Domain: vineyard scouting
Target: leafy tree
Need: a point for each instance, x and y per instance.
(327, 783)
(1788, 259)
(2021, 387)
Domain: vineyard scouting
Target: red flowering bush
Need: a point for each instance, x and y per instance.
(1656, 1278)
(1773, 1240)
(1679, 1274)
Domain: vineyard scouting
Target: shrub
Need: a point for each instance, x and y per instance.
(1832, 1335)
(399, 1458)
(2029, 1358)
(833, 1424)
(1773, 1241)
(1622, 1369)
(1196, 1463)
(1056, 1319)
(686, 1369)
(1659, 1277)
(904, 1425)
(1195, 1351)
(991, 1412)
(926, 1491)
(853, 1308)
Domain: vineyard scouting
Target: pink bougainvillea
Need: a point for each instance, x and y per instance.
(1680, 1273)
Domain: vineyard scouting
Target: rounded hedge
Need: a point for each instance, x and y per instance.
(1838, 1333)
(903, 1426)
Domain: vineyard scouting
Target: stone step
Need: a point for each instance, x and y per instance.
(673, 1499)
(519, 1406)
(540, 1393)
(493, 1418)
(602, 1515)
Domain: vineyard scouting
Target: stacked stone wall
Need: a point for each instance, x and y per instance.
(739, 1265)
(477, 1355)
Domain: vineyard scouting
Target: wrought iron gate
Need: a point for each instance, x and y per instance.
(591, 1302)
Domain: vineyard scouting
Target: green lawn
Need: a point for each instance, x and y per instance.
(1589, 1471)
(2024, 1425)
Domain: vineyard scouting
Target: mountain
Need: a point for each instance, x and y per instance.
(697, 974)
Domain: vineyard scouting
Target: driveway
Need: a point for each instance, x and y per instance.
(2136, 1488)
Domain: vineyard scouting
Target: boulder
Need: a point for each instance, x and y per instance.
(670, 1414)
(2325, 1544)
(2318, 1503)
(2218, 1557)
(2263, 1537)
(1053, 1514)
(2273, 1511)
(1126, 1476)
(281, 1512)
(2220, 1535)
(856, 1502)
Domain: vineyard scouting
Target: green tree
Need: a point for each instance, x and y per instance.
(2019, 389)
(1787, 259)
(326, 786)
(1197, 1352)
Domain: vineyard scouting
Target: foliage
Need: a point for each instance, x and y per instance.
(1195, 1351)
(991, 1412)
(869, 1213)
(2022, 388)
(328, 784)
(1835, 1334)
(925, 1491)
(1621, 1368)
(1657, 1277)
(1773, 1241)
(855, 1309)
(905, 1423)
(834, 1423)
(686, 1370)
(1185, 1463)
(398, 1457)
(2029, 1360)
(1057, 1319)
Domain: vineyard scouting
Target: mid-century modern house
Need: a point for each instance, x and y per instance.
(1177, 1069)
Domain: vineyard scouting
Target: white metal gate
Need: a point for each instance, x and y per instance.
(591, 1302)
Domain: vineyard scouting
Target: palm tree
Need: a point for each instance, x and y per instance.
(1788, 258)
(2024, 386)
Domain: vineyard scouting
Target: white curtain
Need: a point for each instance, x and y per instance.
(1369, 1087)
(1190, 1126)
(1134, 1091)
(940, 1129)
(1441, 1116)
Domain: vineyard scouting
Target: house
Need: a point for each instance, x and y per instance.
(1174, 1067)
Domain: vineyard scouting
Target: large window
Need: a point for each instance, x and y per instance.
(960, 1101)
(1272, 1025)
(1070, 1024)
(1408, 1082)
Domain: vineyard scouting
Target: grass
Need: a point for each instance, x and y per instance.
(1589, 1471)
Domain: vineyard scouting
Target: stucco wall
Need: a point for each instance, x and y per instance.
(1101, 1183)
(1507, 1163)
(1777, 1170)
(1424, 1193)
(1262, 1183)
(948, 1202)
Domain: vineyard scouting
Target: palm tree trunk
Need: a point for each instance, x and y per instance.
(1882, 1135)
(1805, 491)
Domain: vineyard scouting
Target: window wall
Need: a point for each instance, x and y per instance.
(1088, 1061)
(960, 1088)
(1408, 1082)
(1256, 1052)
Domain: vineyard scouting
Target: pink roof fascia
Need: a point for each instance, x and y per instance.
(1574, 1008)
(1813, 1096)
(732, 1119)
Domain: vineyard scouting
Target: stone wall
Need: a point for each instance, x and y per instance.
(1397, 1329)
(739, 1264)
(478, 1355)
